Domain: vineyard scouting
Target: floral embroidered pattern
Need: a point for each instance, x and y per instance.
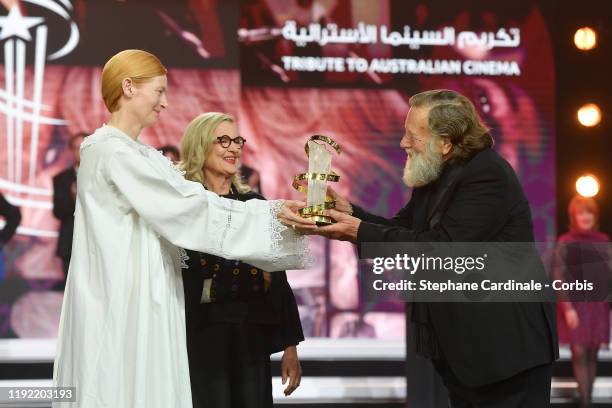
(183, 257)
(295, 250)
(228, 225)
(276, 227)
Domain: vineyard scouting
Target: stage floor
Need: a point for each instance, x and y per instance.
(336, 372)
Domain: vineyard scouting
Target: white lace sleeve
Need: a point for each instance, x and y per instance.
(190, 217)
(288, 249)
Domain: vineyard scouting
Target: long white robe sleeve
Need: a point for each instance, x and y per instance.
(121, 341)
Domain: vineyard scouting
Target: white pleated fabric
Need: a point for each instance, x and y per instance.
(121, 341)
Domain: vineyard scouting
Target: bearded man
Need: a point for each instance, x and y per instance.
(488, 354)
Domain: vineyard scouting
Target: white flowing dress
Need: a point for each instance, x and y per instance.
(121, 339)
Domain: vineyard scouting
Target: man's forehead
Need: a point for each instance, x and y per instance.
(417, 117)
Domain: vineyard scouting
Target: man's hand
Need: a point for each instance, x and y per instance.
(342, 204)
(345, 228)
(291, 369)
(291, 218)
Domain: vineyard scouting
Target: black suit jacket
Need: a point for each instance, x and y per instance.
(63, 210)
(481, 201)
(277, 308)
(12, 218)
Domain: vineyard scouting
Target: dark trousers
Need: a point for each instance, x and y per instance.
(425, 388)
(528, 389)
(229, 366)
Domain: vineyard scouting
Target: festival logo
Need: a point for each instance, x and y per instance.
(25, 39)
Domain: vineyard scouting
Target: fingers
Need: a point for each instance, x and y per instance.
(330, 228)
(327, 230)
(294, 220)
(331, 192)
(299, 226)
(294, 383)
(298, 378)
(289, 216)
(294, 205)
(291, 369)
(335, 214)
(338, 215)
(309, 230)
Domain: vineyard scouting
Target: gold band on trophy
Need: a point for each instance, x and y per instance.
(300, 183)
(325, 139)
(312, 176)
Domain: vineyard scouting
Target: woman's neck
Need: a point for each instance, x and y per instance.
(126, 124)
(218, 183)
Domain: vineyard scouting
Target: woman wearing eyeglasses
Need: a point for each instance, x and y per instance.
(237, 314)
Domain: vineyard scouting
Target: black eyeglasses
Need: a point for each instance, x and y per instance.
(225, 141)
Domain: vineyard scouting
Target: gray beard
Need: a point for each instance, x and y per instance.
(423, 168)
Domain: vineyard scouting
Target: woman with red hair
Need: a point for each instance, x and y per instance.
(121, 339)
(584, 323)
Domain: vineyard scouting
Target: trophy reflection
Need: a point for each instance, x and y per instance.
(314, 182)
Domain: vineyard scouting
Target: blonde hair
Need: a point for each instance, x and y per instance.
(137, 65)
(578, 204)
(197, 144)
(454, 117)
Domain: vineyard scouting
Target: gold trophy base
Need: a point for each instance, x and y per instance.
(322, 220)
(315, 212)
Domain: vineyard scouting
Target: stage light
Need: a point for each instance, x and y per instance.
(585, 38)
(589, 115)
(587, 185)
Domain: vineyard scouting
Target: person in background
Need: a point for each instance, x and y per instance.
(584, 324)
(12, 218)
(171, 152)
(251, 177)
(240, 312)
(64, 201)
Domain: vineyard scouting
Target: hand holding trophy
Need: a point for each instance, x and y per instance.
(319, 173)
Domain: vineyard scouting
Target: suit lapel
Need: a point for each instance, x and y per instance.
(442, 190)
(421, 197)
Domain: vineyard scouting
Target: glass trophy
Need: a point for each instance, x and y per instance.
(314, 182)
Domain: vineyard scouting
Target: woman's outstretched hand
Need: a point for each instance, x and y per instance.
(289, 216)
